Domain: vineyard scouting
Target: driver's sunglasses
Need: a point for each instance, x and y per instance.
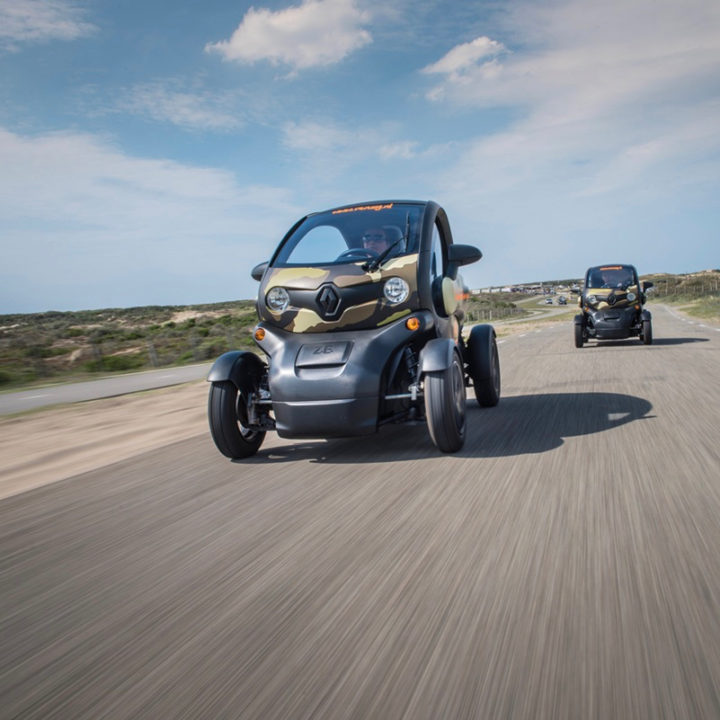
(375, 237)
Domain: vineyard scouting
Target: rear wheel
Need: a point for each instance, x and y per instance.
(226, 414)
(484, 365)
(445, 406)
(646, 336)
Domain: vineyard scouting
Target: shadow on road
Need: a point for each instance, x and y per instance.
(634, 343)
(517, 426)
(678, 341)
(537, 423)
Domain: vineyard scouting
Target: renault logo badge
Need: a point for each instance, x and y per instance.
(328, 301)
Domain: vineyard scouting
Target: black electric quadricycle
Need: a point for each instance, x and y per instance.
(611, 306)
(361, 314)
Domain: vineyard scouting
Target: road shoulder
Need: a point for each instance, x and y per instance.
(45, 446)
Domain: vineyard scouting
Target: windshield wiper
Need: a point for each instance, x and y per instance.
(375, 263)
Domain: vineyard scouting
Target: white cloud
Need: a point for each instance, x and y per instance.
(337, 164)
(465, 56)
(590, 58)
(588, 86)
(315, 33)
(191, 110)
(315, 137)
(403, 149)
(91, 220)
(24, 21)
(607, 135)
(337, 148)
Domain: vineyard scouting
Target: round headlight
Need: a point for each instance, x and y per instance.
(277, 299)
(396, 290)
(630, 297)
(591, 299)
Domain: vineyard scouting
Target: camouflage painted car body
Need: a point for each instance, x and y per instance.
(341, 359)
(613, 309)
(362, 304)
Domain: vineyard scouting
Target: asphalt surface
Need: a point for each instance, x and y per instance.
(564, 564)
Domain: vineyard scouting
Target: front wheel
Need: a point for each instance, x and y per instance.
(445, 406)
(579, 336)
(226, 407)
(646, 336)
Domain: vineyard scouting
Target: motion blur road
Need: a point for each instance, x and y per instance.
(564, 564)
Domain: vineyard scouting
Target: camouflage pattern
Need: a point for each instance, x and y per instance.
(372, 313)
(612, 298)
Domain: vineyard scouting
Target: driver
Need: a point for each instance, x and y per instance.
(609, 279)
(375, 239)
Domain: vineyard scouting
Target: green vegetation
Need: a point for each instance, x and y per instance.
(58, 346)
(494, 306)
(707, 309)
(697, 294)
(684, 288)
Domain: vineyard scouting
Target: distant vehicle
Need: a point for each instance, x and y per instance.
(548, 301)
(562, 300)
(612, 306)
(360, 322)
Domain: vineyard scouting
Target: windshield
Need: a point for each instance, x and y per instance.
(611, 276)
(353, 234)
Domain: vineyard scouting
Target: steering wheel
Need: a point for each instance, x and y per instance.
(358, 253)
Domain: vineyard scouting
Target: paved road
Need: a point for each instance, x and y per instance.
(565, 564)
(92, 390)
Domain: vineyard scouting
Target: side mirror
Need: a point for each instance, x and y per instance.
(258, 271)
(461, 255)
(647, 285)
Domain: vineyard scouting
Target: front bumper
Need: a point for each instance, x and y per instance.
(613, 323)
(331, 384)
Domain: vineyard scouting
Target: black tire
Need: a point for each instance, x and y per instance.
(646, 335)
(445, 406)
(579, 335)
(484, 365)
(232, 438)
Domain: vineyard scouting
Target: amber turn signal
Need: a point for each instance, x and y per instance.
(412, 324)
(259, 334)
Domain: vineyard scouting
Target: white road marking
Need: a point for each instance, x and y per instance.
(34, 397)
(614, 417)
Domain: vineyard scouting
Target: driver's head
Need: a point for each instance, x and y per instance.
(375, 239)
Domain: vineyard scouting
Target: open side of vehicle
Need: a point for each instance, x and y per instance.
(355, 338)
(611, 306)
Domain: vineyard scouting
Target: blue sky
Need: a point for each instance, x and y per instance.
(153, 152)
